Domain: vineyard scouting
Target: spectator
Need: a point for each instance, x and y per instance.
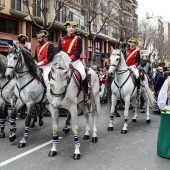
(158, 73)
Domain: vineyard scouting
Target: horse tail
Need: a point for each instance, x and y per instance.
(149, 94)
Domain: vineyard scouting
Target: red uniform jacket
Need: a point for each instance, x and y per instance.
(134, 59)
(76, 49)
(46, 55)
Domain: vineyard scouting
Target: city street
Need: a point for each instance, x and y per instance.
(114, 151)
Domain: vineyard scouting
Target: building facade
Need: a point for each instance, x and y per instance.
(15, 20)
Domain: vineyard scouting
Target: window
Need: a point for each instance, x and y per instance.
(98, 47)
(36, 8)
(9, 26)
(16, 5)
(50, 36)
(35, 30)
(90, 45)
(70, 16)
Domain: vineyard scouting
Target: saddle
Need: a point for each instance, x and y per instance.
(41, 77)
(77, 77)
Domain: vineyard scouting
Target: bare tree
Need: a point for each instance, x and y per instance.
(149, 34)
(43, 6)
(97, 13)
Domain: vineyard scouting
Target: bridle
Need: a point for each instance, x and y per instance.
(19, 61)
(68, 78)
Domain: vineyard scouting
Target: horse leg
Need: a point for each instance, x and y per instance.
(127, 104)
(66, 128)
(2, 123)
(74, 116)
(34, 113)
(114, 101)
(148, 120)
(55, 118)
(86, 115)
(40, 114)
(22, 143)
(136, 112)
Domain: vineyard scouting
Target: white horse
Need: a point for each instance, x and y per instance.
(29, 89)
(63, 93)
(123, 87)
(6, 94)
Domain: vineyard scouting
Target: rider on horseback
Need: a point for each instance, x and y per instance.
(72, 45)
(44, 54)
(132, 57)
(22, 40)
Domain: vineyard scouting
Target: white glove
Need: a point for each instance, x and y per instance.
(40, 63)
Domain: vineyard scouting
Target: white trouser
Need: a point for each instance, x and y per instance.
(102, 89)
(46, 70)
(78, 65)
(135, 71)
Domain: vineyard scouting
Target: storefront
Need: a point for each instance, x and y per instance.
(4, 46)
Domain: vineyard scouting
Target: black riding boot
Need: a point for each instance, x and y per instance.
(85, 86)
(138, 88)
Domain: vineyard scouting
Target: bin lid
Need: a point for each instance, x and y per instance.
(168, 110)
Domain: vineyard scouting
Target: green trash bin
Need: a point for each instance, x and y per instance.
(163, 141)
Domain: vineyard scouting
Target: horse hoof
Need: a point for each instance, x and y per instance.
(110, 128)
(52, 153)
(142, 111)
(12, 138)
(32, 125)
(2, 135)
(76, 156)
(123, 131)
(21, 145)
(94, 139)
(66, 130)
(148, 121)
(86, 137)
(134, 120)
(41, 123)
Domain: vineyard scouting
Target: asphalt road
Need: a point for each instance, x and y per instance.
(114, 151)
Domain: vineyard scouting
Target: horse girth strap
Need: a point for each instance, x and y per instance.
(127, 59)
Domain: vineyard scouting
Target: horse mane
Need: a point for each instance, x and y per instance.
(29, 61)
(62, 59)
(144, 63)
(3, 64)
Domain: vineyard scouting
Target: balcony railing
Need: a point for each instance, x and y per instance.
(18, 9)
(2, 4)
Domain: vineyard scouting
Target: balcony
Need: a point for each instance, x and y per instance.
(2, 4)
(18, 9)
(37, 13)
(104, 31)
(135, 16)
(126, 9)
(135, 3)
(115, 35)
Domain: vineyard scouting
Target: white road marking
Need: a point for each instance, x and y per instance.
(25, 153)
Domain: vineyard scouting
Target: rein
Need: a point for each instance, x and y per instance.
(120, 87)
(62, 95)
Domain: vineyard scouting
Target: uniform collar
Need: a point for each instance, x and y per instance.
(72, 35)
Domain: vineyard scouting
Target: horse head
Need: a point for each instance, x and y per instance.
(115, 60)
(13, 60)
(60, 75)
